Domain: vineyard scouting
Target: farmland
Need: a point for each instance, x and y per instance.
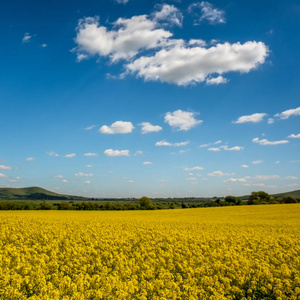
(240, 252)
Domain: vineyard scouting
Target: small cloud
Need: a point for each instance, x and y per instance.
(236, 180)
(266, 177)
(111, 152)
(218, 142)
(265, 142)
(44, 45)
(138, 152)
(217, 174)
(148, 127)
(182, 120)
(130, 181)
(277, 162)
(169, 14)
(197, 168)
(52, 153)
(89, 166)
(87, 182)
(117, 127)
(256, 162)
(191, 179)
(64, 181)
(26, 38)
(81, 56)
(90, 127)
(59, 176)
(81, 174)
(270, 121)
(165, 143)
(5, 168)
(204, 145)
(244, 166)
(288, 113)
(147, 163)
(70, 155)
(294, 136)
(2, 175)
(91, 154)
(208, 12)
(254, 118)
(216, 81)
(291, 177)
(121, 1)
(236, 148)
(30, 158)
(214, 149)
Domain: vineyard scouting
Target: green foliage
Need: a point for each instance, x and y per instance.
(145, 203)
(259, 197)
(233, 200)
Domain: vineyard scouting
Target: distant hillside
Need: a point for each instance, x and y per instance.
(32, 193)
(294, 194)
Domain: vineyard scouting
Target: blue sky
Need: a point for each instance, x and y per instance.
(159, 98)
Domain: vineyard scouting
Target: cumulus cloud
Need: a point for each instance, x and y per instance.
(244, 166)
(170, 14)
(124, 41)
(254, 118)
(52, 153)
(148, 127)
(217, 80)
(265, 142)
(30, 158)
(266, 177)
(165, 143)
(183, 65)
(214, 149)
(70, 155)
(182, 120)
(294, 136)
(2, 175)
(291, 177)
(81, 174)
(122, 1)
(288, 113)
(91, 154)
(117, 127)
(217, 174)
(111, 152)
(236, 180)
(196, 168)
(171, 60)
(5, 168)
(235, 148)
(147, 163)
(256, 162)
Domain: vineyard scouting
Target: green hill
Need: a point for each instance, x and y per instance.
(30, 193)
(294, 194)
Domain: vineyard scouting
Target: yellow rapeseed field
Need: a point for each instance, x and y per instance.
(247, 252)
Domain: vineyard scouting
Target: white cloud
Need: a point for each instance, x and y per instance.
(26, 38)
(288, 113)
(2, 175)
(183, 65)
(208, 12)
(59, 176)
(147, 163)
(87, 182)
(214, 149)
(270, 121)
(197, 168)
(117, 127)
(291, 177)
(111, 152)
(90, 127)
(256, 162)
(5, 168)
(217, 174)
(191, 179)
(89, 166)
(182, 120)
(235, 148)
(128, 37)
(294, 136)
(138, 152)
(254, 118)
(165, 143)
(170, 14)
(236, 180)
(81, 174)
(266, 177)
(265, 142)
(30, 158)
(148, 127)
(70, 155)
(218, 142)
(122, 1)
(244, 166)
(91, 154)
(216, 81)
(44, 45)
(52, 153)
(64, 181)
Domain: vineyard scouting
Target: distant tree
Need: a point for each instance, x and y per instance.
(288, 199)
(259, 197)
(145, 203)
(233, 200)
